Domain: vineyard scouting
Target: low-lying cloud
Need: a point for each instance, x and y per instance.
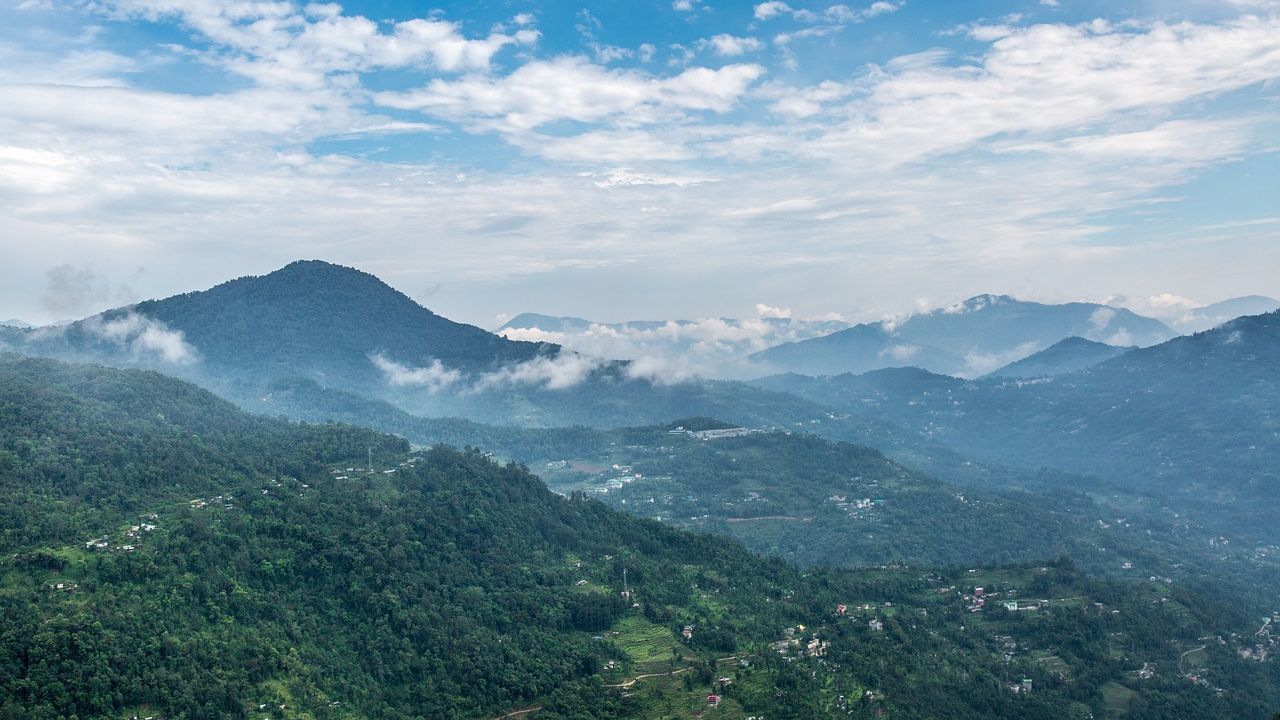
(676, 350)
(558, 372)
(433, 377)
(144, 337)
(555, 372)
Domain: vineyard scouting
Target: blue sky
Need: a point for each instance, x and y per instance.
(632, 160)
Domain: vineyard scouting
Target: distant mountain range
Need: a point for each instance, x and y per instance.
(15, 323)
(349, 333)
(1210, 316)
(969, 339)
(319, 341)
(1197, 416)
(1064, 356)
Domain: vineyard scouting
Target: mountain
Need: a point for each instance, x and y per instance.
(820, 502)
(1074, 353)
(545, 323)
(314, 319)
(350, 333)
(1209, 316)
(1194, 418)
(968, 339)
(15, 323)
(216, 564)
(309, 319)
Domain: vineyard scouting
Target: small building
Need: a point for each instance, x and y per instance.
(713, 700)
(842, 609)
(687, 632)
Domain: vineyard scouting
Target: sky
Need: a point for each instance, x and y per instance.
(643, 160)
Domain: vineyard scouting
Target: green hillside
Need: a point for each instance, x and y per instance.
(276, 578)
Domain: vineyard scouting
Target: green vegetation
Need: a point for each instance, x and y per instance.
(1190, 422)
(231, 566)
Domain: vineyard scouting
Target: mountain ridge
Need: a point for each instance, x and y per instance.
(967, 339)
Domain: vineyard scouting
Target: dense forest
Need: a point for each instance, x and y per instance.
(1193, 419)
(181, 559)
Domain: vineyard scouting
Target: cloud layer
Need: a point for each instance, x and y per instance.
(1028, 146)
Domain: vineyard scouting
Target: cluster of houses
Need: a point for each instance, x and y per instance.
(793, 644)
(136, 531)
(1008, 646)
(975, 601)
(223, 500)
(1020, 687)
(623, 475)
(148, 524)
(717, 434)
(1264, 641)
(1022, 605)
(856, 506)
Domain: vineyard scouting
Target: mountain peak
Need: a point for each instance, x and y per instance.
(978, 302)
(310, 318)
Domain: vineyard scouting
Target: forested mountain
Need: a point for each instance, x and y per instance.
(968, 339)
(242, 566)
(816, 501)
(309, 319)
(347, 332)
(1194, 417)
(1074, 353)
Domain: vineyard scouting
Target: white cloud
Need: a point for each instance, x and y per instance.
(673, 351)
(571, 88)
(807, 101)
(1101, 318)
(901, 352)
(434, 377)
(562, 371)
(837, 16)
(280, 44)
(769, 311)
(558, 372)
(979, 363)
(145, 338)
(771, 9)
(727, 45)
(629, 177)
(1017, 155)
(661, 371)
(1047, 78)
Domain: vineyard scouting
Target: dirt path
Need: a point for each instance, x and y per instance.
(633, 680)
(794, 518)
(519, 713)
(1184, 655)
